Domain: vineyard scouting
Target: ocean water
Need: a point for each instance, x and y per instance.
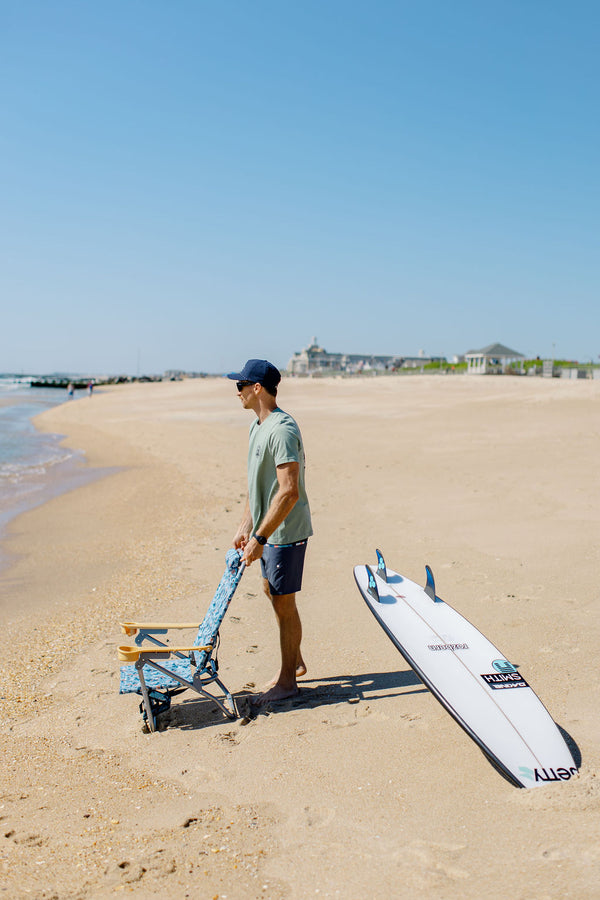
(33, 466)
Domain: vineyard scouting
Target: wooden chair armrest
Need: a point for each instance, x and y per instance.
(131, 628)
(132, 654)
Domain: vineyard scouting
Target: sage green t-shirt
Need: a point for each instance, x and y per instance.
(274, 442)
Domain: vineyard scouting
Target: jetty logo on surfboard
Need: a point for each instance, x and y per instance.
(560, 774)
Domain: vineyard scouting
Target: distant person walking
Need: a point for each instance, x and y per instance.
(276, 523)
(90, 388)
(70, 390)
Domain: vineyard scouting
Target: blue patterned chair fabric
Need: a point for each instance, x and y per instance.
(207, 634)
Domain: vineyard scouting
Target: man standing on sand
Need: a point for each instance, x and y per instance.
(276, 523)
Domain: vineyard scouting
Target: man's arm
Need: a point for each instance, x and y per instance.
(281, 506)
(242, 535)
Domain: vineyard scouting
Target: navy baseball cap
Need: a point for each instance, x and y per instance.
(258, 371)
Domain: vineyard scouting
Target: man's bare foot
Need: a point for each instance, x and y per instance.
(277, 692)
(300, 672)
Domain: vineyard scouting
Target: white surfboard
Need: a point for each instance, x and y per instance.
(475, 683)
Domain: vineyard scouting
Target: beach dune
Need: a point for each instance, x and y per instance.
(362, 786)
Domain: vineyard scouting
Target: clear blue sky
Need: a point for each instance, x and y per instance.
(191, 183)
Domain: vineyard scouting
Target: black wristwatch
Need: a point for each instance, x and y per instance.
(260, 539)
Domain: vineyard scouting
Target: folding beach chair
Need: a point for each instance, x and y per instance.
(153, 674)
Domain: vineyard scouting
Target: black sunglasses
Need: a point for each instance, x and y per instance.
(242, 384)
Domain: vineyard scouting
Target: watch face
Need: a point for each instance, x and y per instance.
(260, 539)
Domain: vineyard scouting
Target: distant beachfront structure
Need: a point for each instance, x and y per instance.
(492, 360)
(314, 360)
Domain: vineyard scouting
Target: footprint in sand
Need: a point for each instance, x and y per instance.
(124, 872)
(30, 840)
(411, 717)
(317, 816)
(432, 861)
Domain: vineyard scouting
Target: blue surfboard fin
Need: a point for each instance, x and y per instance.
(372, 584)
(430, 586)
(381, 569)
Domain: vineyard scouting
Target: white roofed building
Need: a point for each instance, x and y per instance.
(492, 360)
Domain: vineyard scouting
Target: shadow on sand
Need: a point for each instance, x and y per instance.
(199, 713)
(196, 714)
(376, 687)
(570, 742)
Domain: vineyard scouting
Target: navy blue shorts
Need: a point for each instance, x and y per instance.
(282, 565)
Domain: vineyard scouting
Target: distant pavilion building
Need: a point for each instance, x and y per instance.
(492, 360)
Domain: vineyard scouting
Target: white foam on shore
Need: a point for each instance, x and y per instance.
(34, 467)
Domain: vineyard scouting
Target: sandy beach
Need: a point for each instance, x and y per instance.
(362, 786)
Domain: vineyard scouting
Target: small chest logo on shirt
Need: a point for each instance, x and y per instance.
(258, 451)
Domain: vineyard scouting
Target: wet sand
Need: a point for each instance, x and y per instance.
(362, 786)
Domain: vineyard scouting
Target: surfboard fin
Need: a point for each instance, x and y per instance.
(372, 584)
(381, 569)
(430, 586)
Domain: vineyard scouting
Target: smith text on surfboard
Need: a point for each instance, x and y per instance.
(497, 680)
